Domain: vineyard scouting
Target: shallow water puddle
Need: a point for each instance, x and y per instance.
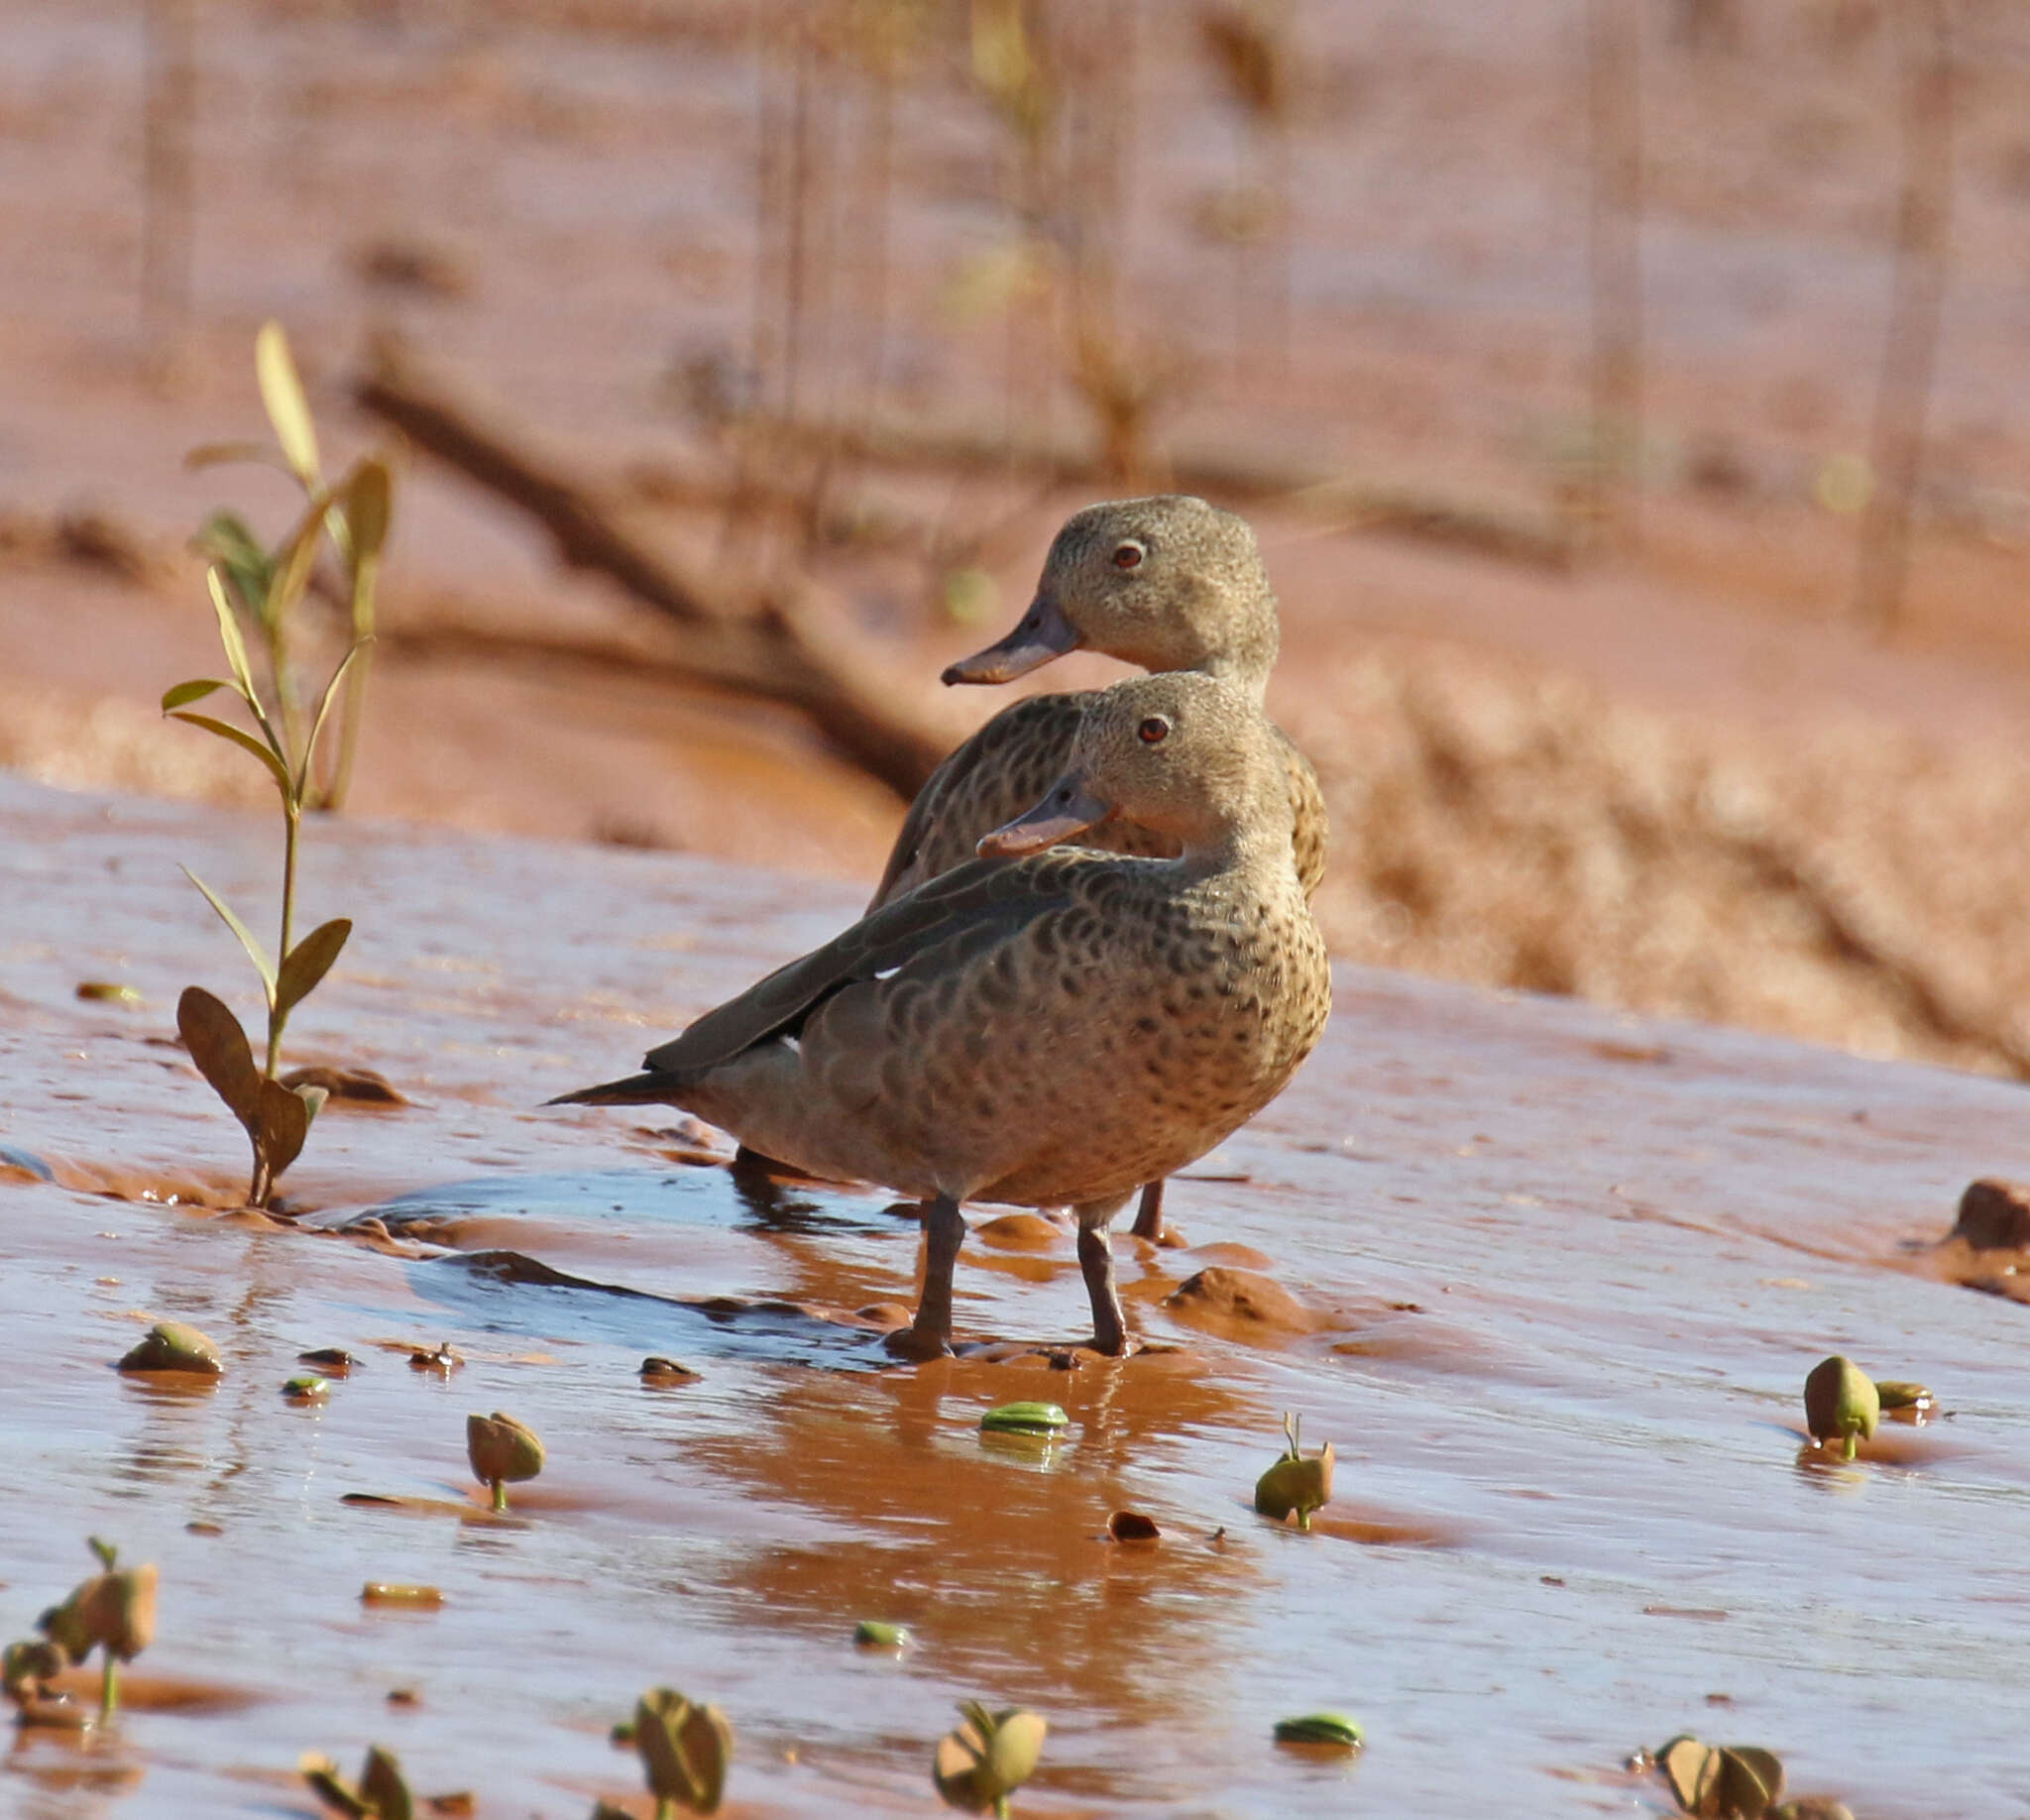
(1557, 1278)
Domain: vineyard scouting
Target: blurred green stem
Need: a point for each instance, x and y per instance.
(292, 814)
(356, 683)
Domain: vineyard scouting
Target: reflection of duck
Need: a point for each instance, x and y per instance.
(1051, 1032)
(1169, 582)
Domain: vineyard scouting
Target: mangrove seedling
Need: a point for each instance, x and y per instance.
(982, 1763)
(503, 1452)
(112, 1612)
(268, 585)
(685, 1750)
(268, 588)
(381, 1793)
(1295, 1483)
(1841, 1402)
(1721, 1783)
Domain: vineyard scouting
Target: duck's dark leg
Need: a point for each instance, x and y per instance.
(930, 1334)
(1096, 1260)
(1149, 1216)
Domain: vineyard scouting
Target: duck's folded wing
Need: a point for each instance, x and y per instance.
(1007, 767)
(967, 908)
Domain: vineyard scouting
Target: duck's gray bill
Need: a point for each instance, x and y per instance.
(1044, 634)
(1070, 809)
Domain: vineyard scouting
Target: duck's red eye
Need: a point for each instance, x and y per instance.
(1153, 731)
(1128, 557)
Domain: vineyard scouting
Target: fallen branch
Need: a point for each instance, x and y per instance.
(769, 641)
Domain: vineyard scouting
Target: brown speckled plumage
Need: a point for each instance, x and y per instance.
(1198, 599)
(1053, 1030)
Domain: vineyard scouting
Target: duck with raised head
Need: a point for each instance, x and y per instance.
(1044, 1025)
(1169, 582)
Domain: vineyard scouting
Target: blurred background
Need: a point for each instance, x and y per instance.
(1629, 394)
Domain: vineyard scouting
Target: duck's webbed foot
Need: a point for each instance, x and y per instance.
(1096, 1261)
(914, 1347)
(929, 1337)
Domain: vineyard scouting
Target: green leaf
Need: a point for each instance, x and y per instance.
(240, 929)
(246, 741)
(229, 633)
(367, 499)
(282, 393)
(324, 702)
(225, 538)
(285, 1124)
(308, 961)
(293, 560)
(218, 1046)
(195, 691)
(313, 1098)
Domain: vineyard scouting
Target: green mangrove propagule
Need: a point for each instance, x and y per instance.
(1294, 1484)
(266, 588)
(982, 1763)
(112, 1612)
(503, 1452)
(685, 1750)
(1841, 1402)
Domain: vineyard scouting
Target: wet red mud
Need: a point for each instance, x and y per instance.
(1561, 1274)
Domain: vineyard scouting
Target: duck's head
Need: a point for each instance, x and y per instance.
(1169, 582)
(1179, 754)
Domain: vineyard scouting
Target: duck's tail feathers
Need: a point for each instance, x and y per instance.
(636, 1091)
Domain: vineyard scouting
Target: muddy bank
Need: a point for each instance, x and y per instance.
(1558, 1276)
(1681, 784)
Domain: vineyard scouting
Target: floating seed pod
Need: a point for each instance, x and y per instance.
(658, 1373)
(443, 1360)
(872, 1634)
(307, 1389)
(1841, 1402)
(1132, 1526)
(170, 1345)
(395, 1592)
(982, 1763)
(1024, 1419)
(1715, 1783)
(332, 1361)
(108, 991)
(503, 1452)
(1325, 1730)
(1294, 1484)
(685, 1750)
(1896, 1395)
(606, 1810)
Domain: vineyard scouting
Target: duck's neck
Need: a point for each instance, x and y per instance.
(1245, 664)
(1255, 845)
